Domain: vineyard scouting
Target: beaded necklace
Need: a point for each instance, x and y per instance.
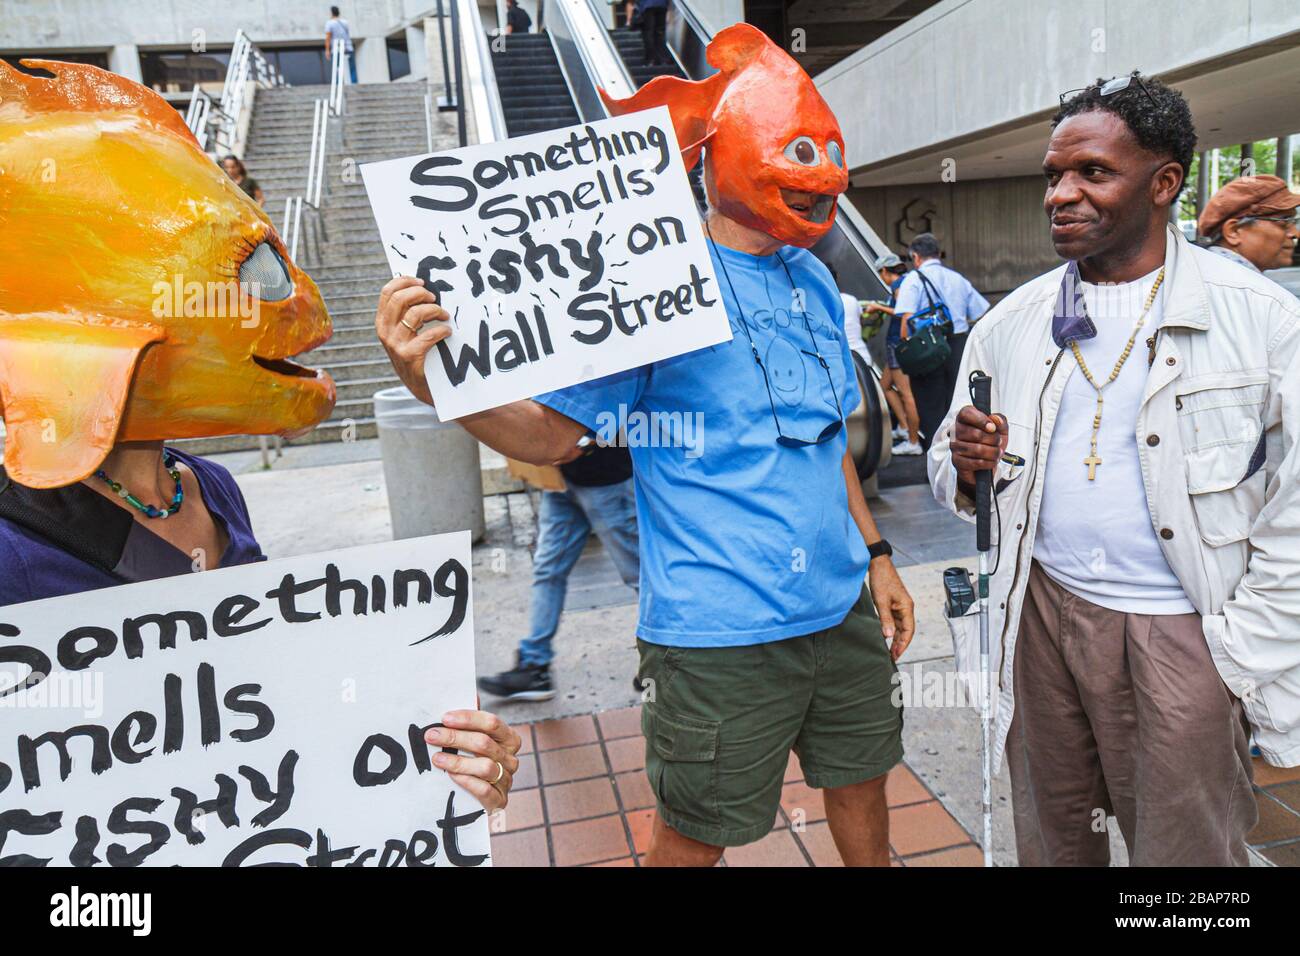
(149, 510)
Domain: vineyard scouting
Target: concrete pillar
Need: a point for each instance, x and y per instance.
(1284, 161)
(1202, 180)
(415, 49)
(372, 60)
(124, 59)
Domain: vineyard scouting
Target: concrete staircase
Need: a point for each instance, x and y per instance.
(382, 121)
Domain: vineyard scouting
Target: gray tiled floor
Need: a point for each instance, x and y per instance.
(918, 528)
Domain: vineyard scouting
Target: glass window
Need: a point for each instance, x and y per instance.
(176, 71)
(300, 66)
(399, 58)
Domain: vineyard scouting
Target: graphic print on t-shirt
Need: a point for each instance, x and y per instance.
(793, 340)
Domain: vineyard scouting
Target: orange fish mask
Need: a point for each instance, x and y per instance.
(767, 129)
(143, 296)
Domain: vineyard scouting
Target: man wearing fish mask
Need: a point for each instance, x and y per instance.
(144, 298)
(756, 635)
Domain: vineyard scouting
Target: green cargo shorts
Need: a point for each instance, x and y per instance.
(720, 722)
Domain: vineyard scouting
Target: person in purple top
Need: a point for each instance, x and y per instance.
(110, 529)
(85, 536)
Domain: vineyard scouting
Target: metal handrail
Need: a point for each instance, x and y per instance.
(428, 122)
(316, 155)
(196, 116)
(246, 62)
(338, 77)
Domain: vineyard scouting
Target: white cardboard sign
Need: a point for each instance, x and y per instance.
(562, 256)
(269, 713)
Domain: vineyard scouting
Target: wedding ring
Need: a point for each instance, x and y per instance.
(501, 772)
(414, 329)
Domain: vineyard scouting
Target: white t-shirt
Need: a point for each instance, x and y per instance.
(1095, 538)
(853, 325)
(337, 28)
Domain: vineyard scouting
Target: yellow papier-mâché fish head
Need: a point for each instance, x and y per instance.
(143, 295)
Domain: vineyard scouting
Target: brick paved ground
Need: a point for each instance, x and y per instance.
(581, 798)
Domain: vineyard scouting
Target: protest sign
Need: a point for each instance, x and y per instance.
(271, 713)
(562, 256)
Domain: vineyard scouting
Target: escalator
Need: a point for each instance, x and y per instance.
(549, 80)
(533, 91)
(632, 50)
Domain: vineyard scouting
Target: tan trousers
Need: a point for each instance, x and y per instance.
(1125, 715)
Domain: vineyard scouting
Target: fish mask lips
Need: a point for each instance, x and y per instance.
(117, 235)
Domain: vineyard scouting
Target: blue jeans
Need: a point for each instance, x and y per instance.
(352, 68)
(566, 519)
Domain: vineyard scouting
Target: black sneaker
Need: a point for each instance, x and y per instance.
(524, 682)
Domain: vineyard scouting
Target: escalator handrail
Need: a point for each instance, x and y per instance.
(869, 385)
(480, 79)
(599, 8)
(695, 24)
(601, 65)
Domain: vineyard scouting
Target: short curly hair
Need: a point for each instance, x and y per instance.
(1164, 127)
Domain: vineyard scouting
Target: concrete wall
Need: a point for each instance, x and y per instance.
(716, 14)
(971, 68)
(124, 27)
(993, 230)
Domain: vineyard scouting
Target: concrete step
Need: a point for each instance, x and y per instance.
(352, 409)
(354, 303)
(365, 387)
(361, 285)
(329, 354)
(352, 332)
(371, 266)
(343, 372)
(325, 432)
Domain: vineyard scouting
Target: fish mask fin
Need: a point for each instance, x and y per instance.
(690, 103)
(733, 49)
(64, 380)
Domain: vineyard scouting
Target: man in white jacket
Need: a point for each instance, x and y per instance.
(1146, 402)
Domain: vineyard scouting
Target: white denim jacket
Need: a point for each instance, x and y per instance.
(1217, 440)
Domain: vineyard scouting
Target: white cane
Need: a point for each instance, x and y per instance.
(981, 387)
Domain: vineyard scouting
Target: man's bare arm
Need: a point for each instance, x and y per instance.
(410, 323)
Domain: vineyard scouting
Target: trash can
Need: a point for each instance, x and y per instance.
(431, 468)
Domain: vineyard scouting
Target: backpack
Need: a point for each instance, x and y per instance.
(926, 348)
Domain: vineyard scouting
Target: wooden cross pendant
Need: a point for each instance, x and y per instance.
(1092, 461)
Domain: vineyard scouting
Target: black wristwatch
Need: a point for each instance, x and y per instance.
(880, 549)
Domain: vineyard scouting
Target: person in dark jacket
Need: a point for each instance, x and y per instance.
(654, 16)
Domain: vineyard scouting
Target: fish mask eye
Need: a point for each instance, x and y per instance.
(833, 151)
(803, 151)
(265, 272)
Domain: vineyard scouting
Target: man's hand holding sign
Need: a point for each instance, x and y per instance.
(541, 262)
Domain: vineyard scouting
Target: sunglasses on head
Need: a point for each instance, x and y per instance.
(1116, 84)
(1291, 220)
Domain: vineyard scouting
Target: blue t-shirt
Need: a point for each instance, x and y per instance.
(743, 541)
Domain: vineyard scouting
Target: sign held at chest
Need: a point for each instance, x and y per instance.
(561, 256)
